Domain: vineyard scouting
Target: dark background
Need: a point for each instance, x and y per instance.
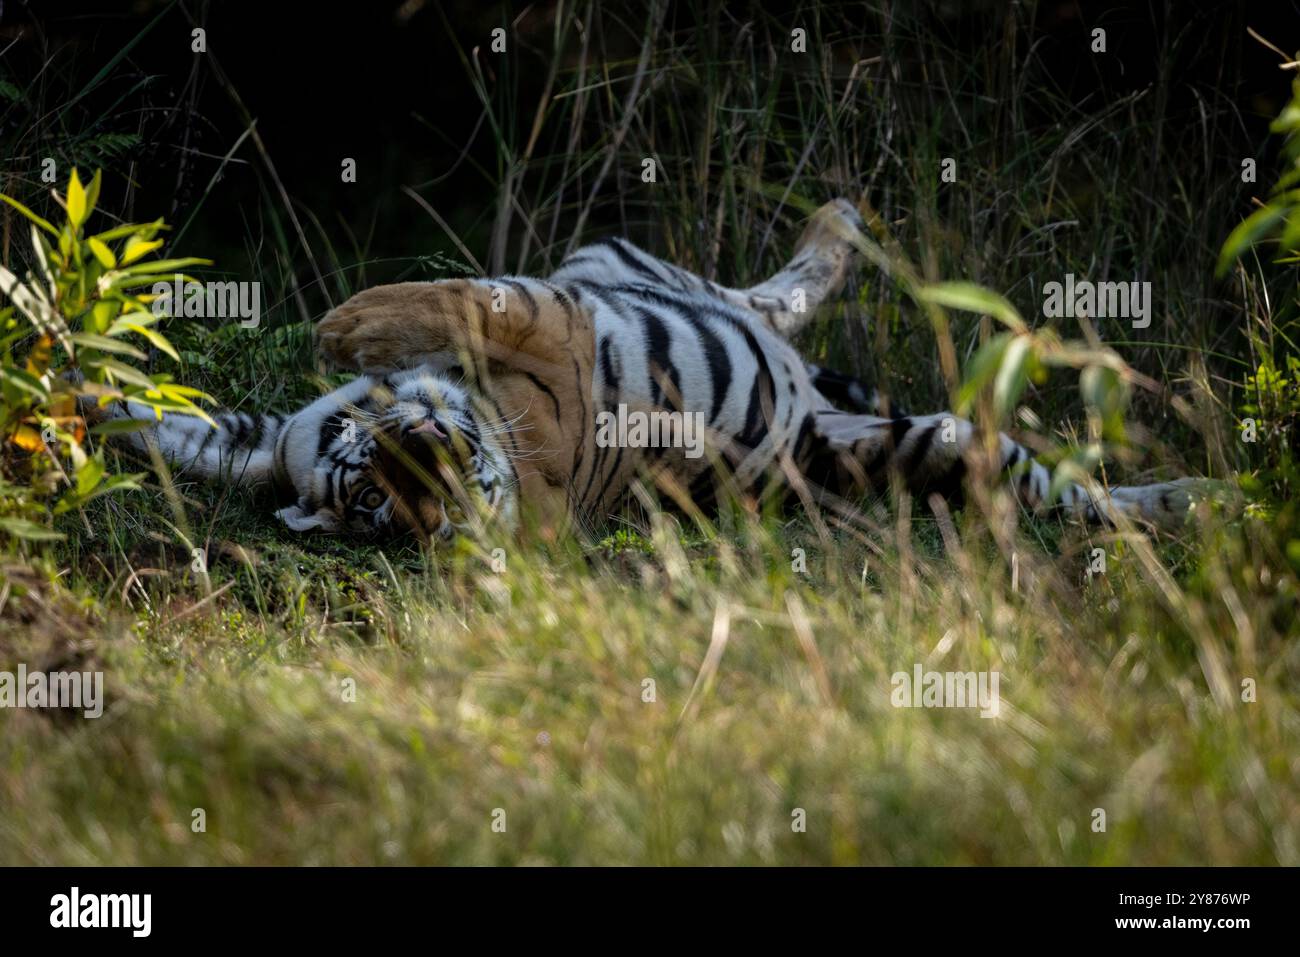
(384, 82)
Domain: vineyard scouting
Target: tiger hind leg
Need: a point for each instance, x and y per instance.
(822, 260)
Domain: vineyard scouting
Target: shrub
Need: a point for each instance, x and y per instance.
(1271, 406)
(71, 340)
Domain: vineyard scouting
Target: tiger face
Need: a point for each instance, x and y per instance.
(410, 452)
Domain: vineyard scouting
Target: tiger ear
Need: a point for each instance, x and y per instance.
(301, 520)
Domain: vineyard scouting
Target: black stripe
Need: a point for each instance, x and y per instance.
(612, 378)
(325, 436)
(716, 353)
(547, 389)
(584, 421)
(523, 291)
(719, 362)
(919, 449)
(561, 297)
(208, 436)
(806, 435)
(577, 259)
(658, 344)
(611, 472)
(665, 271)
(756, 424)
(255, 434)
(277, 457)
(628, 259)
(899, 428)
(606, 294)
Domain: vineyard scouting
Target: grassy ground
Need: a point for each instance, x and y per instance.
(525, 691)
(326, 701)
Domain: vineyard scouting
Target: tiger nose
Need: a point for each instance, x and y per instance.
(429, 427)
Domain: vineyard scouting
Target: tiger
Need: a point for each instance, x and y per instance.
(475, 405)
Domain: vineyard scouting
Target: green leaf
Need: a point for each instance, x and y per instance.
(43, 223)
(1106, 393)
(142, 315)
(102, 253)
(92, 192)
(130, 279)
(1249, 231)
(166, 265)
(107, 344)
(102, 314)
(157, 338)
(185, 390)
(89, 476)
(145, 231)
(1287, 120)
(78, 209)
(1077, 469)
(1012, 375)
(981, 370)
(113, 483)
(21, 528)
(119, 426)
(970, 297)
(24, 380)
(122, 371)
(44, 252)
(137, 247)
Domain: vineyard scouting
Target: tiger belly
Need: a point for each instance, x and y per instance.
(681, 386)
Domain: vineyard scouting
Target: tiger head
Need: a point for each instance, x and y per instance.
(412, 452)
(474, 404)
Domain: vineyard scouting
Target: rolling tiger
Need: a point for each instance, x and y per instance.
(476, 403)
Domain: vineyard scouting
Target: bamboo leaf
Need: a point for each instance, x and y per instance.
(76, 200)
(137, 247)
(123, 372)
(43, 223)
(154, 336)
(971, 297)
(25, 381)
(102, 314)
(106, 344)
(92, 192)
(102, 253)
(166, 265)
